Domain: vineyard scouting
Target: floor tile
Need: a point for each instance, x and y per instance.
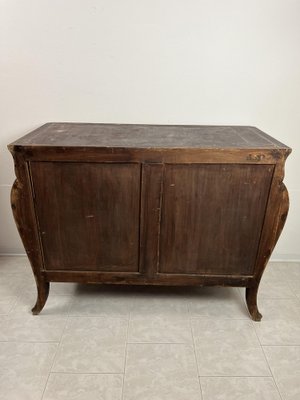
(295, 286)
(273, 271)
(278, 332)
(152, 307)
(290, 271)
(91, 358)
(282, 309)
(285, 365)
(31, 329)
(248, 388)
(162, 372)
(298, 296)
(218, 302)
(6, 304)
(102, 302)
(55, 305)
(216, 332)
(175, 292)
(84, 387)
(231, 360)
(10, 285)
(14, 264)
(274, 284)
(101, 306)
(274, 289)
(92, 345)
(159, 330)
(161, 302)
(63, 288)
(24, 369)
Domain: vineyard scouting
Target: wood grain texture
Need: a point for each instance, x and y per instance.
(150, 218)
(23, 212)
(152, 155)
(275, 217)
(88, 215)
(212, 216)
(127, 278)
(150, 205)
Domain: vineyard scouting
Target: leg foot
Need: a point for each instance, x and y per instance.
(42, 295)
(251, 299)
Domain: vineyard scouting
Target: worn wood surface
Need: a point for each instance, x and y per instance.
(88, 215)
(24, 215)
(150, 218)
(124, 278)
(275, 217)
(152, 205)
(212, 217)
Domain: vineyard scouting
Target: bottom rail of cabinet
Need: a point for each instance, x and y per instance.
(249, 282)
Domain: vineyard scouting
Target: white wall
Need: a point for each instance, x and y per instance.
(158, 61)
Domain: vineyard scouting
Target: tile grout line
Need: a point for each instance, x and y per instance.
(126, 343)
(99, 317)
(86, 373)
(56, 352)
(266, 359)
(277, 298)
(222, 319)
(177, 343)
(30, 341)
(13, 306)
(185, 344)
(292, 290)
(272, 373)
(131, 343)
(281, 345)
(237, 376)
(194, 348)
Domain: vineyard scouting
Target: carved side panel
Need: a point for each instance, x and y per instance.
(277, 210)
(23, 211)
(22, 207)
(274, 221)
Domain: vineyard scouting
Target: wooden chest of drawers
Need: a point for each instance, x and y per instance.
(151, 205)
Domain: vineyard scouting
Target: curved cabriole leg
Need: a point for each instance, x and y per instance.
(274, 222)
(251, 299)
(23, 212)
(42, 295)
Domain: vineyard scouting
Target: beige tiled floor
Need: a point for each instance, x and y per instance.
(137, 343)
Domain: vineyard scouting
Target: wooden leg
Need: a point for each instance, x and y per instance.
(251, 299)
(42, 295)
